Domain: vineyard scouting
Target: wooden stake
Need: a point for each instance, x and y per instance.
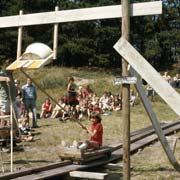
(55, 43)
(174, 144)
(125, 94)
(19, 43)
(89, 175)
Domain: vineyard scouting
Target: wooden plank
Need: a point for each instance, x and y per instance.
(104, 12)
(55, 41)
(70, 153)
(90, 159)
(5, 116)
(77, 155)
(151, 131)
(19, 40)
(148, 140)
(89, 175)
(48, 174)
(103, 150)
(163, 88)
(33, 170)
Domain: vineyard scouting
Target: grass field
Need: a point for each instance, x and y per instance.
(150, 163)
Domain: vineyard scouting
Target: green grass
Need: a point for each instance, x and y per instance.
(151, 163)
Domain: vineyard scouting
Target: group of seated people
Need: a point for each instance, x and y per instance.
(84, 103)
(173, 81)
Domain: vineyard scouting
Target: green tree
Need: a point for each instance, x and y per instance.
(90, 43)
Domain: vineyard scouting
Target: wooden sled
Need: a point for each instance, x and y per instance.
(82, 157)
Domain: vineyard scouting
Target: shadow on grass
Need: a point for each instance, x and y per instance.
(112, 175)
(46, 125)
(36, 133)
(115, 176)
(154, 169)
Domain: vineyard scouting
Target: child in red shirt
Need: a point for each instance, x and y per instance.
(46, 109)
(96, 133)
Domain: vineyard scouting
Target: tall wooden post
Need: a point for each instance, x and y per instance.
(19, 42)
(125, 94)
(55, 43)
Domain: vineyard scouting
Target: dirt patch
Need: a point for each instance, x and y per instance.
(82, 81)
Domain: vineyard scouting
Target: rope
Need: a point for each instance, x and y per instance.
(37, 85)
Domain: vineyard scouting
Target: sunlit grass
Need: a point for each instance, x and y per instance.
(151, 163)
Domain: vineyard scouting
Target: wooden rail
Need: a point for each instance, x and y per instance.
(139, 139)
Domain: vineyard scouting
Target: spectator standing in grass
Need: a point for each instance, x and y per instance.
(132, 97)
(29, 99)
(150, 92)
(18, 100)
(18, 87)
(176, 80)
(71, 94)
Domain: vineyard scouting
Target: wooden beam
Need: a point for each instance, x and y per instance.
(19, 41)
(174, 144)
(5, 116)
(89, 175)
(142, 67)
(125, 27)
(34, 170)
(55, 42)
(104, 12)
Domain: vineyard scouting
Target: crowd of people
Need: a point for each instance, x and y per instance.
(82, 102)
(76, 102)
(173, 81)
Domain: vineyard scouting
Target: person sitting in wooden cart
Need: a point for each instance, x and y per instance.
(96, 133)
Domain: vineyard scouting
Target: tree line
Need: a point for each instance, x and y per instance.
(90, 43)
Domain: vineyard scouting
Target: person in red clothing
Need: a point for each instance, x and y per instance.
(87, 91)
(46, 109)
(96, 133)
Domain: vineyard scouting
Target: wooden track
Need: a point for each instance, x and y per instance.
(139, 139)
